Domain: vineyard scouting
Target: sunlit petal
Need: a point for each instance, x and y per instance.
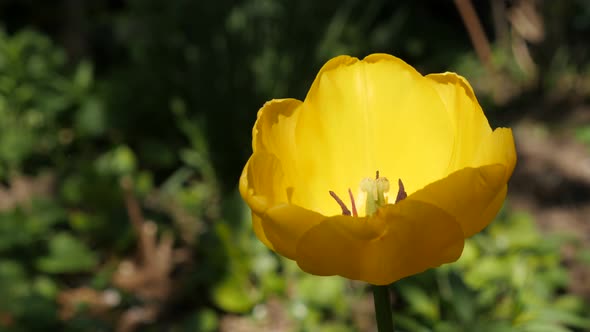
(369, 115)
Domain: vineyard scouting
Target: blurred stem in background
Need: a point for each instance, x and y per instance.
(478, 37)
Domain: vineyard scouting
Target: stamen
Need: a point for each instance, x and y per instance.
(401, 194)
(376, 175)
(345, 210)
(354, 212)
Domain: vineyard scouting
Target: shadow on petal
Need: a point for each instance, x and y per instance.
(259, 231)
(284, 224)
(399, 241)
(472, 195)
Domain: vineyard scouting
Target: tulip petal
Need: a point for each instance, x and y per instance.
(276, 223)
(472, 196)
(475, 145)
(493, 208)
(275, 125)
(334, 63)
(262, 183)
(498, 148)
(284, 224)
(261, 192)
(467, 117)
(274, 131)
(364, 116)
(259, 231)
(400, 240)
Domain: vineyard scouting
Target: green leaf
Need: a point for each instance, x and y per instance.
(90, 120)
(67, 254)
(565, 317)
(16, 143)
(14, 285)
(83, 76)
(119, 161)
(543, 327)
(323, 292)
(421, 302)
(408, 323)
(205, 321)
(232, 295)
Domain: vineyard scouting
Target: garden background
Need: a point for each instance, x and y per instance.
(124, 126)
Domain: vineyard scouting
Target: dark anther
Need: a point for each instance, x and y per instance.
(354, 213)
(345, 210)
(376, 175)
(401, 194)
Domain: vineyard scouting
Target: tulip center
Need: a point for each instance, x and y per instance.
(375, 190)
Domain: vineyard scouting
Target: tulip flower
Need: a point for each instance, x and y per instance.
(317, 181)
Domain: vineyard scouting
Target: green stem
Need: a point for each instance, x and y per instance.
(383, 311)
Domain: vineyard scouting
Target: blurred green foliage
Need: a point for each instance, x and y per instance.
(159, 112)
(509, 278)
(34, 94)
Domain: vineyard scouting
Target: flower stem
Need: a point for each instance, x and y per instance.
(383, 311)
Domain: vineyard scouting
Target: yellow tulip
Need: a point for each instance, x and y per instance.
(360, 117)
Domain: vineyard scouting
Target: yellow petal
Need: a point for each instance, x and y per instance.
(262, 183)
(498, 148)
(259, 231)
(363, 116)
(472, 195)
(492, 209)
(284, 224)
(275, 125)
(469, 123)
(400, 240)
(334, 63)
(277, 224)
(259, 191)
